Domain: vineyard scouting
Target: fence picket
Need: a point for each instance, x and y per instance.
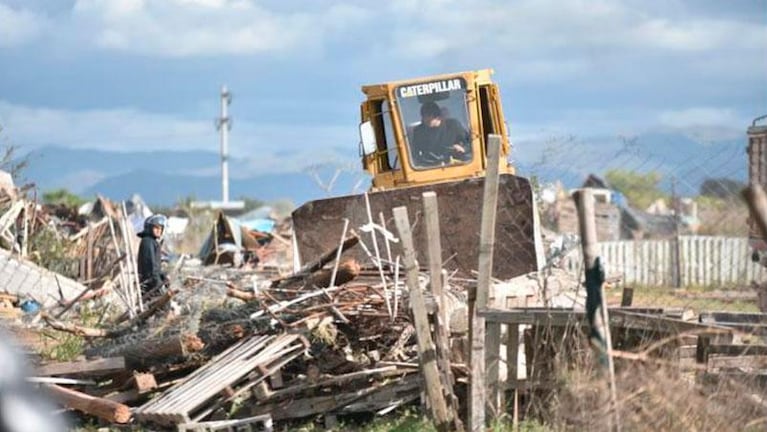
(703, 261)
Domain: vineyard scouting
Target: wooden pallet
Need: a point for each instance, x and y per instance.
(201, 392)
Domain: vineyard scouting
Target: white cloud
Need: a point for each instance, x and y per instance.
(185, 28)
(19, 26)
(582, 36)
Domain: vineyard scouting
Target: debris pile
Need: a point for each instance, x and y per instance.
(286, 348)
(235, 334)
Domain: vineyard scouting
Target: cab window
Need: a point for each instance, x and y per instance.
(388, 158)
(436, 120)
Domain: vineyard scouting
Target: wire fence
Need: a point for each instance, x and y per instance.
(670, 220)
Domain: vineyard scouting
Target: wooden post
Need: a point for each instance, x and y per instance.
(485, 267)
(757, 203)
(512, 361)
(492, 362)
(431, 216)
(441, 319)
(588, 231)
(627, 297)
(426, 350)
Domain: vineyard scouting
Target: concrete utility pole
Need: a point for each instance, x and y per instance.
(223, 124)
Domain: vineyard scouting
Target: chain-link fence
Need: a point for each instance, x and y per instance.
(671, 223)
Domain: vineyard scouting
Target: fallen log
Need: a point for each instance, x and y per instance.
(105, 409)
(347, 271)
(151, 351)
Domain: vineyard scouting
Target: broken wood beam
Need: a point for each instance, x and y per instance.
(105, 409)
(96, 366)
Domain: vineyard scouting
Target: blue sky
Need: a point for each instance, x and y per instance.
(145, 74)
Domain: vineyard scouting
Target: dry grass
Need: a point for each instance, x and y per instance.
(656, 398)
(653, 393)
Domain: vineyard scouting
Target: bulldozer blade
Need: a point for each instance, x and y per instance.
(317, 225)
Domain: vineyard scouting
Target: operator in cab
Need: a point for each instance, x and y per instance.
(438, 139)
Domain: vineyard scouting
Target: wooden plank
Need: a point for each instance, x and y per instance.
(190, 398)
(441, 318)
(426, 349)
(492, 363)
(376, 395)
(733, 317)
(431, 218)
(221, 374)
(104, 365)
(273, 368)
(477, 406)
(618, 318)
(229, 354)
(737, 350)
(512, 374)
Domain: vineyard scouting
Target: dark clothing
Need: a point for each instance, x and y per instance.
(149, 265)
(433, 145)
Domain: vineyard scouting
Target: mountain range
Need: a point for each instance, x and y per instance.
(164, 177)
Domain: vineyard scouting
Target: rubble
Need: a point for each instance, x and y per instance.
(239, 333)
(235, 328)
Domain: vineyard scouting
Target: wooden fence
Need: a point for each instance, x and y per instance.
(702, 261)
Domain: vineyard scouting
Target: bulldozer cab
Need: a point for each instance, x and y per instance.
(431, 129)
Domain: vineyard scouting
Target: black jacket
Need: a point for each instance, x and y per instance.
(436, 143)
(149, 265)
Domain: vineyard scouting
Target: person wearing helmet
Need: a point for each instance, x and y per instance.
(150, 272)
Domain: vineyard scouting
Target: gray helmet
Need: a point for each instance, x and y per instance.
(155, 220)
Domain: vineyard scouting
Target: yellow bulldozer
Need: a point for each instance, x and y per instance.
(431, 134)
